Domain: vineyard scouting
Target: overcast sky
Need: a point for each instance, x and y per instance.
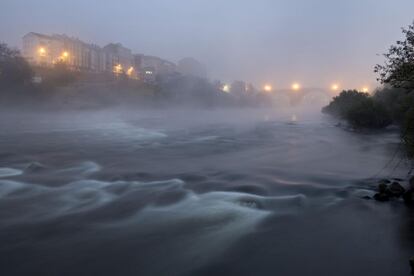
(315, 42)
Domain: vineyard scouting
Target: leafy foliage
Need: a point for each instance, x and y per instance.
(14, 69)
(368, 113)
(398, 70)
(408, 131)
(359, 109)
(341, 104)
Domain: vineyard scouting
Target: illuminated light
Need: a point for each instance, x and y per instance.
(226, 88)
(42, 51)
(296, 86)
(148, 72)
(335, 87)
(130, 71)
(267, 88)
(63, 57)
(365, 89)
(118, 69)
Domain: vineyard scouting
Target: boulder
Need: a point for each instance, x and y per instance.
(382, 188)
(396, 190)
(384, 181)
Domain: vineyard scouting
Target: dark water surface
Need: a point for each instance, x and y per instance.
(196, 193)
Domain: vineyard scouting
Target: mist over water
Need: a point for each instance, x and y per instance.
(196, 192)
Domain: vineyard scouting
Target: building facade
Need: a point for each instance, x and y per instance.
(48, 50)
(119, 60)
(150, 67)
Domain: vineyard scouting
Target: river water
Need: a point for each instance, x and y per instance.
(236, 192)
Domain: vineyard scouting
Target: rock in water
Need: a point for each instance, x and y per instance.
(396, 190)
(382, 188)
(384, 181)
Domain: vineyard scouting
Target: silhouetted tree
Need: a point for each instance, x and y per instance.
(398, 69)
(14, 69)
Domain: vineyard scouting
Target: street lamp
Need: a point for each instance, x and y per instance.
(335, 87)
(267, 88)
(296, 86)
(130, 71)
(226, 88)
(118, 69)
(42, 51)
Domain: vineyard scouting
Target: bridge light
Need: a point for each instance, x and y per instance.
(335, 87)
(267, 88)
(226, 88)
(296, 86)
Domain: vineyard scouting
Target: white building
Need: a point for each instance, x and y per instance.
(119, 60)
(44, 50)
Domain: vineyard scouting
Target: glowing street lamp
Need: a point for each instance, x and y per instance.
(64, 57)
(42, 51)
(335, 87)
(267, 88)
(118, 69)
(226, 88)
(130, 71)
(296, 86)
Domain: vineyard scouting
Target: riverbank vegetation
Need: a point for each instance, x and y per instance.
(391, 104)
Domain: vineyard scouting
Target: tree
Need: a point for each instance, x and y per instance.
(14, 69)
(341, 104)
(398, 69)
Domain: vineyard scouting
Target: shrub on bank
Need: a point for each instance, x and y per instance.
(408, 131)
(397, 100)
(368, 113)
(14, 69)
(361, 110)
(340, 105)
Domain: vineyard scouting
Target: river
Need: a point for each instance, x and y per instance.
(190, 192)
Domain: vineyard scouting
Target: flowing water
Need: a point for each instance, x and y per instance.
(242, 192)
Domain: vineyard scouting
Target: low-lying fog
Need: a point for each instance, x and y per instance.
(196, 192)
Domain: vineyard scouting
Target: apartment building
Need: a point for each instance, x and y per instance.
(47, 50)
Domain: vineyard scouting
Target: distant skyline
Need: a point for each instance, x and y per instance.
(278, 42)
